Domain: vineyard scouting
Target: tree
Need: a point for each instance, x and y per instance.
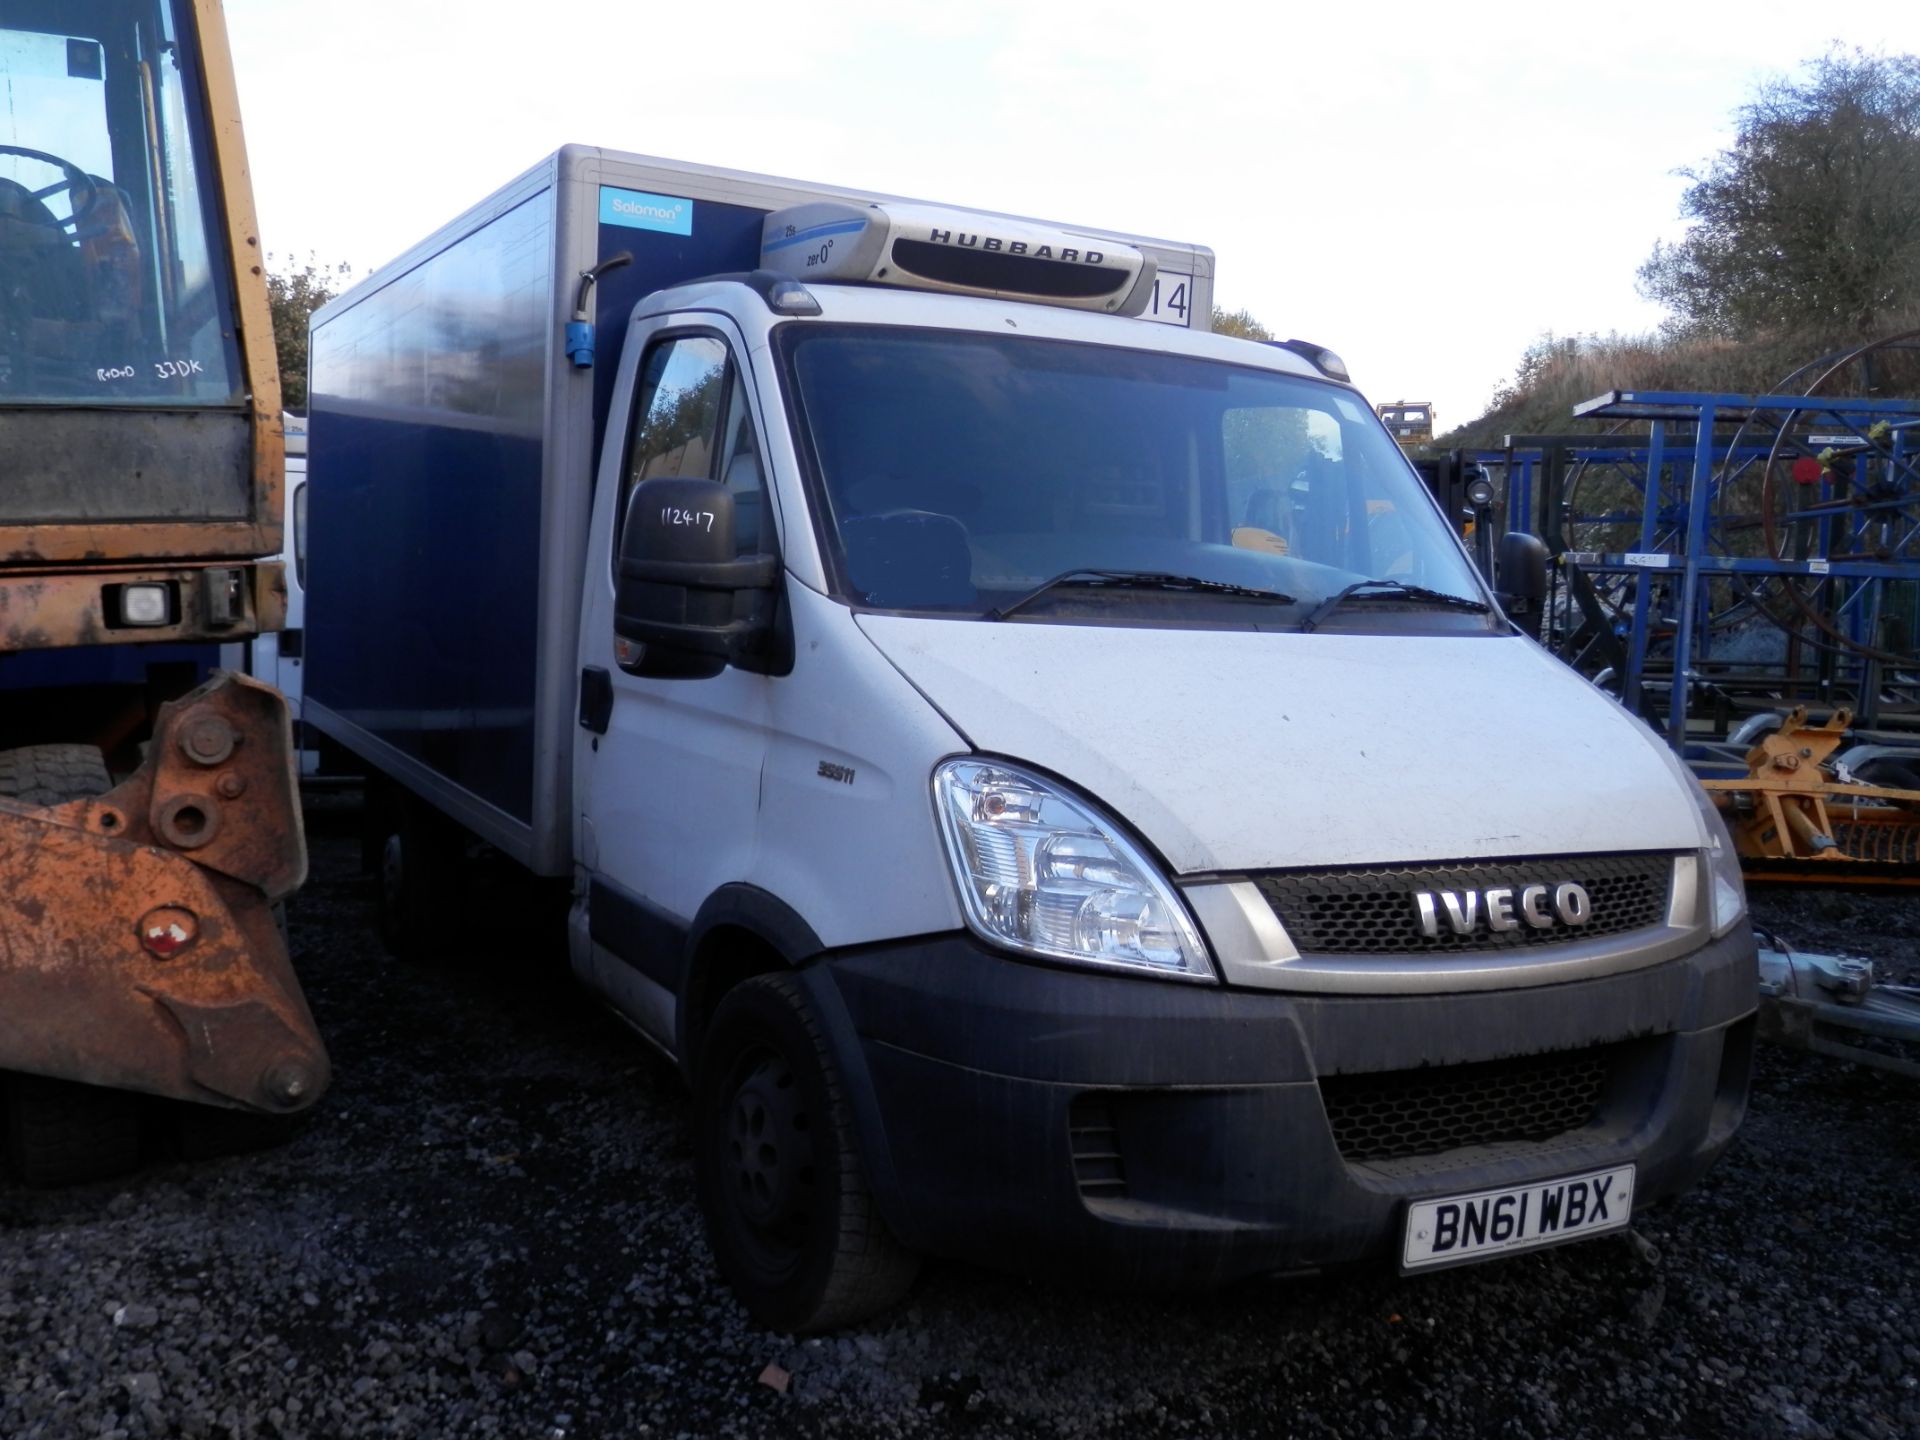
(1239, 323)
(293, 294)
(1810, 221)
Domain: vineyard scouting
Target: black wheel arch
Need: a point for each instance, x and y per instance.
(774, 935)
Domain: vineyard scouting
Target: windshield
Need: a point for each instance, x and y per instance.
(111, 274)
(961, 471)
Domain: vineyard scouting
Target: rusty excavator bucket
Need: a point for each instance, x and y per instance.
(138, 944)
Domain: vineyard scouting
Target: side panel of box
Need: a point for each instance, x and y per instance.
(426, 444)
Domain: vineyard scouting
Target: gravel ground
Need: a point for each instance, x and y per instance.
(489, 1229)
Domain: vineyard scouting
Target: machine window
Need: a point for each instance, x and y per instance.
(113, 284)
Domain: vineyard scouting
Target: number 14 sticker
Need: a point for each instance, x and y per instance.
(1172, 302)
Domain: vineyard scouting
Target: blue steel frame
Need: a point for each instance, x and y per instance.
(1682, 441)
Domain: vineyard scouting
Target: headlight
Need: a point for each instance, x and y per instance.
(1043, 872)
(1726, 892)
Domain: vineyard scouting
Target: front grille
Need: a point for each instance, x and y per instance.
(1402, 1113)
(1370, 910)
(1097, 1166)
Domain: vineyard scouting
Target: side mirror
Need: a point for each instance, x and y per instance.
(1520, 580)
(684, 597)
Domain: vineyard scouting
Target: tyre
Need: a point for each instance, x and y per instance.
(60, 1132)
(1896, 773)
(791, 1220)
(419, 881)
(53, 774)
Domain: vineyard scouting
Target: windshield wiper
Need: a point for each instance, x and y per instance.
(1390, 590)
(1139, 580)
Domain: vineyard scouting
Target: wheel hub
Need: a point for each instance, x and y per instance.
(770, 1156)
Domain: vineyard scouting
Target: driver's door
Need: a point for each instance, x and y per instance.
(669, 786)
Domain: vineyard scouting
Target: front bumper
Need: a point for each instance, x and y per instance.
(1000, 1102)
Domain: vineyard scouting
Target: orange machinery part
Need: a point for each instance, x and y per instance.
(1791, 823)
(138, 945)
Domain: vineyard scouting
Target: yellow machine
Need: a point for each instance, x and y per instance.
(149, 816)
(1410, 421)
(1794, 821)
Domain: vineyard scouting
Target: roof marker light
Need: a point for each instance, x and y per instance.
(1318, 356)
(782, 294)
(790, 297)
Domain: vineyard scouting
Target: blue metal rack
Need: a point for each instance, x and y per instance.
(1802, 512)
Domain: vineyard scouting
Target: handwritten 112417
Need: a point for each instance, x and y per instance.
(698, 519)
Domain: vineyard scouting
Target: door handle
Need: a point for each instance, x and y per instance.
(596, 699)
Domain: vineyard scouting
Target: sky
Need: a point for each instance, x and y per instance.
(1424, 188)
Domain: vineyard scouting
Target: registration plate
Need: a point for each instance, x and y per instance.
(1525, 1217)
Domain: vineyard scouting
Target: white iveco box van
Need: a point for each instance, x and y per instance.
(1052, 779)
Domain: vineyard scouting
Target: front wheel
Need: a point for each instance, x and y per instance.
(791, 1220)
